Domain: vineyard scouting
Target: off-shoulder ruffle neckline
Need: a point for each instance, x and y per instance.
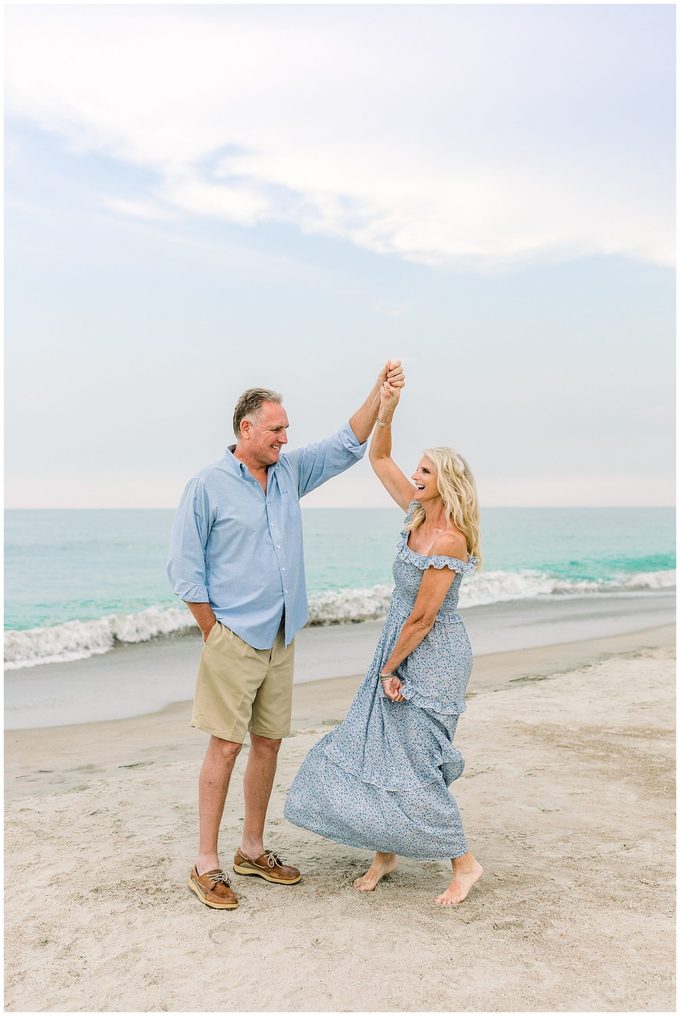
(434, 560)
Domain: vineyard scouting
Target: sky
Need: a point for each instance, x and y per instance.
(201, 199)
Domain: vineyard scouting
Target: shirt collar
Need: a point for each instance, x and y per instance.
(236, 466)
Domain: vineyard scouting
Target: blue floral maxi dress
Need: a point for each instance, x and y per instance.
(379, 780)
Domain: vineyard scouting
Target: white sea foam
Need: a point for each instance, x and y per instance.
(349, 605)
(501, 586)
(76, 640)
(651, 580)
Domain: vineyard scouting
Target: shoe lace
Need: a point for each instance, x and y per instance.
(273, 859)
(218, 877)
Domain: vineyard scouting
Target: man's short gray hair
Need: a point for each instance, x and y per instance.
(250, 403)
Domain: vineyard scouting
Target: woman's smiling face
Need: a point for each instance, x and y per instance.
(425, 479)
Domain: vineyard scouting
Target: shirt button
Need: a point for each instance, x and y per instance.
(283, 569)
(278, 546)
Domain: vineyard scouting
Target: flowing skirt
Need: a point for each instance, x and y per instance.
(380, 779)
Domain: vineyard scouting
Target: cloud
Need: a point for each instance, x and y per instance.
(151, 211)
(433, 134)
(240, 203)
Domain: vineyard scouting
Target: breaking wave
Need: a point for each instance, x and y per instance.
(76, 640)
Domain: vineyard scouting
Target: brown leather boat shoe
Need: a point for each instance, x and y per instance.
(213, 889)
(268, 866)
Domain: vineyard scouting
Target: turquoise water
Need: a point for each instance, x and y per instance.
(84, 565)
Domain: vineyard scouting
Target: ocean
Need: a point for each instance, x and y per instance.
(78, 582)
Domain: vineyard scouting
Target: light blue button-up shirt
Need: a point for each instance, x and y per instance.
(240, 550)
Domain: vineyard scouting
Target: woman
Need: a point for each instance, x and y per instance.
(380, 779)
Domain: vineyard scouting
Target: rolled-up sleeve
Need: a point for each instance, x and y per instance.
(186, 562)
(316, 463)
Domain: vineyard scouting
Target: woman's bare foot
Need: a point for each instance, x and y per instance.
(466, 871)
(382, 865)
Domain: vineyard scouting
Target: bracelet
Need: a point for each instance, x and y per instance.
(385, 677)
(381, 423)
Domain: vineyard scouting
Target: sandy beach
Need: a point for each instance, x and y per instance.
(352, 326)
(567, 800)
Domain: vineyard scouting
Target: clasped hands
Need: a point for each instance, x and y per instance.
(392, 687)
(391, 380)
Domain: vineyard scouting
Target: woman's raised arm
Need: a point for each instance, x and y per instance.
(388, 472)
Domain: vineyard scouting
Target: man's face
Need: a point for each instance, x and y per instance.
(265, 435)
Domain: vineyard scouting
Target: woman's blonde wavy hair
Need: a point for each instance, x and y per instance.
(458, 491)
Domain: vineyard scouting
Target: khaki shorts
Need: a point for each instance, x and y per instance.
(239, 688)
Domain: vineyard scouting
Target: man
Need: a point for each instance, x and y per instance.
(236, 560)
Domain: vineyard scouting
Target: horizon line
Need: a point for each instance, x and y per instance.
(353, 507)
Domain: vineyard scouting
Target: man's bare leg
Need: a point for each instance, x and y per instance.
(213, 784)
(258, 781)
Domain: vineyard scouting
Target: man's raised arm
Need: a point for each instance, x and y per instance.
(316, 463)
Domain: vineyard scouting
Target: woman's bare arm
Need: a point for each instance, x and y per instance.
(388, 472)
